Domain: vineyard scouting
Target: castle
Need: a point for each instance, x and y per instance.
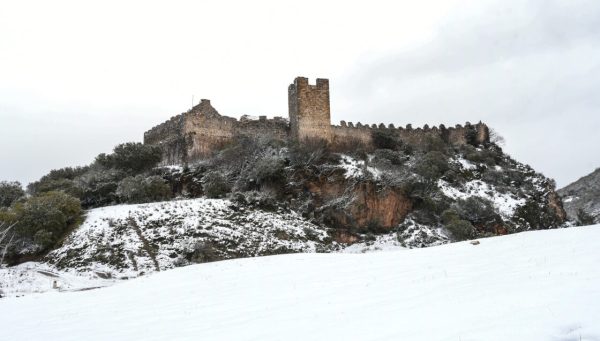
(199, 132)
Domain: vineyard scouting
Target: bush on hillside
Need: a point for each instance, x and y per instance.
(10, 192)
(432, 165)
(140, 189)
(99, 187)
(45, 218)
(269, 171)
(478, 211)
(215, 184)
(385, 139)
(537, 214)
(131, 157)
(63, 185)
(311, 152)
(461, 229)
(583, 218)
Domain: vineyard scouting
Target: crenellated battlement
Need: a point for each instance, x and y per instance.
(201, 131)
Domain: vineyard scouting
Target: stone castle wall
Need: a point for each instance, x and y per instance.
(198, 133)
(170, 137)
(363, 133)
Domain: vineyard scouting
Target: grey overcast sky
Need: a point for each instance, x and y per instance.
(78, 77)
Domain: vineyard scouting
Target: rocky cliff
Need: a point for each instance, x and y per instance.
(582, 199)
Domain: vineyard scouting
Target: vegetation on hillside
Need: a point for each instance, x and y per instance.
(455, 189)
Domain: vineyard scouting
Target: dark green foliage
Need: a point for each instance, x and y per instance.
(99, 187)
(471, 135)
(583, 218)
(488, 156)
(385, 139)
(432, 165)
(46, 217)
(478, 211)
(388, 158)
(10, 192)
(139, 189)
(64, 185)
(131, 157)
(215, 184)
(536, 214)
(461, 229)
(269, 171)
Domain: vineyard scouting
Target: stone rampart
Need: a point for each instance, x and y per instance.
(201, 131)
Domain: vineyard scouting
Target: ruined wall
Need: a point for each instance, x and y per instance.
(201, 131)
(309, 111)
(458, 135)
(275, 128)
(170, 138)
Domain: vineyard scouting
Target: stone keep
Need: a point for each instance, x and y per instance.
(309, 111)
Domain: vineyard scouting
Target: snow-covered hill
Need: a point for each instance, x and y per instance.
(129, 240)
(583, 195)
(540, 285)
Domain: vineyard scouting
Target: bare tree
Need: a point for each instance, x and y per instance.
(6, 239)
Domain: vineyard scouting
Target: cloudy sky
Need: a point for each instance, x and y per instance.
(78, 77)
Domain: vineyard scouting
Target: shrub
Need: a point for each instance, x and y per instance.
(46, 217)
(386, 157)
(460, 229)
(432, 165)
(131, 157)
(476, 210)
(537, 214)
(214, 184)
(583, 218)
(138, 189)
(64, 185)
(269, 170)
(98, 186)
(310, 152)
(384, 139)
(10, 192)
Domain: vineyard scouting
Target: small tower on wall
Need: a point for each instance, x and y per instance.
(310, 116)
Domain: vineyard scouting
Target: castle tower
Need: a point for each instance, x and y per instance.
(310, 116)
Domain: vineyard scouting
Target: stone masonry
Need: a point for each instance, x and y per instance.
(201, 131)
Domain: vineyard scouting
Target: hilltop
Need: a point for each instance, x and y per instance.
(215, 188)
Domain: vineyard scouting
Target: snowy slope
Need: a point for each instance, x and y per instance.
(126, 241)
(542, 285)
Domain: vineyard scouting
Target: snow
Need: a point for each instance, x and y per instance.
(108, 242)
(356, 168)
(386, 242)
(35, 277)
(540, 285)
(466, 164)
(504, 203)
